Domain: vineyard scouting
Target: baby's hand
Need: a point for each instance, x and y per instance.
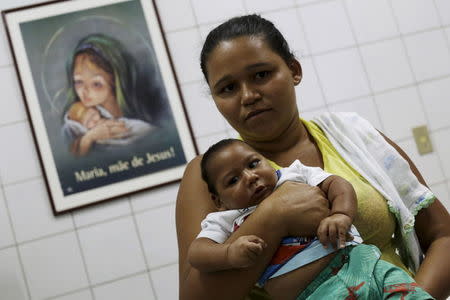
(244, 251)
(334, 229)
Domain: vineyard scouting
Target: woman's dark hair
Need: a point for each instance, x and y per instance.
(207, 156)
(249, 25)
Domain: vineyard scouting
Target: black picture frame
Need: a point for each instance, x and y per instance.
(109, 57)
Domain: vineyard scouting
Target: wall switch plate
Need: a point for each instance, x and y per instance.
(422, 139)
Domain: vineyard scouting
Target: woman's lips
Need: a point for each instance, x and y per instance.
(255, 112)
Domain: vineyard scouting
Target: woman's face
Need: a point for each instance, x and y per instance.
(92, 84)
(253, 87)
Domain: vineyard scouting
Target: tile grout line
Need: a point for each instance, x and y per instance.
(447, 41)
(83, 259)
(416, 83)
(55, 234)
(141, 244)
(313, 62)
(363, 64)
(15, 245)
(98, 284)
(443, 27)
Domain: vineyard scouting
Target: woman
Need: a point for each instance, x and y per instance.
(252, 74)
(102, 74)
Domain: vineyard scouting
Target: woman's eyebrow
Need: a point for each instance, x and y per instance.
(247, 68)
(257, 65)
(225, 78)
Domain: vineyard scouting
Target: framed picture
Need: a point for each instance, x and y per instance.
(102, 98)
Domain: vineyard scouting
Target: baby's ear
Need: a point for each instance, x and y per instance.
(217, 201)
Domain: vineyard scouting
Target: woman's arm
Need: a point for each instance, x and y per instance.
(433, 230)
(280, 212)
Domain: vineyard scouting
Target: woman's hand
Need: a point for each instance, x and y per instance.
(107, 129)
(299, 208)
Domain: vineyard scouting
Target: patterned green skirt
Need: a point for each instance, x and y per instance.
(358, 273)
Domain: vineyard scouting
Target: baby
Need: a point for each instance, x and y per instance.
(80, 119)
(238, 179)
(88, 117)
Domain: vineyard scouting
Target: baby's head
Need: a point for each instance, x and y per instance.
(237, 175)
(86, 116)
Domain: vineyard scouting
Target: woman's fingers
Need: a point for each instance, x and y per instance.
(342, 236)
(322, 234)
(332, 235)
(293, 199)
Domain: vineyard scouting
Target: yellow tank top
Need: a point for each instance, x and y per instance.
(374, 221)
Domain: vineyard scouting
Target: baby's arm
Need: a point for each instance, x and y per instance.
(343, 203)
(209, 256)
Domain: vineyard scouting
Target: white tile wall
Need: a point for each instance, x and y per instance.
(204, 142)
(6, 233)
(175, 19)
(436, 94)
(18, 157)
(112, 250)
(342, 75)
(214, 10)
(101, 212)
(31, 213)
(166, 282)
(136, 288)
(160, 247)
(309, 91)
(288, 22)
(204, 116)
(185, 57)
(390, 103)
(443, 7)
(6, 57)
(429, 54)
(429, 164)
(258, 6)
(81, 295)
(12, 283)
(53, 266)
(415, 15)
(155, 198)
(369, 56)
(326, 26)
(365, 16)
(441, 192)
(11, 97)
(387, 65)
(441, 142)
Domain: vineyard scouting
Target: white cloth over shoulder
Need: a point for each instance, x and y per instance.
(366, 150)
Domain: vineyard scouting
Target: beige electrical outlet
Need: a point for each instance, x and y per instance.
(422, 139)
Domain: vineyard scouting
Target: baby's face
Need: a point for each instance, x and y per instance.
(90, 118)
(242, 177)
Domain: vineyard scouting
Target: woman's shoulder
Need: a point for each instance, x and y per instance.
(193, 165)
